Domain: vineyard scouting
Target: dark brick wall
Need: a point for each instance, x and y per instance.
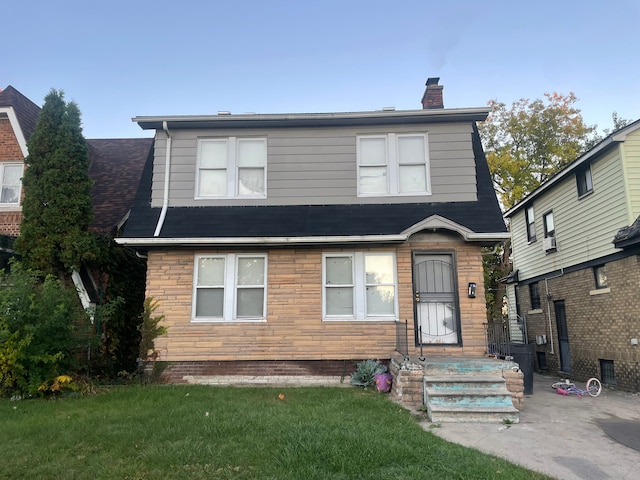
(177, 370)
(600, 326)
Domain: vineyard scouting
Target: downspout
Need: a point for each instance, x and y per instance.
(167, 167)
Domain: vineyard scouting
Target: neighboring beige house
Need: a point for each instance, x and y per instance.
(296, 243)
(576, 260)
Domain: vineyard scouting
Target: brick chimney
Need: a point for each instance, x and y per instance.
(432, 97)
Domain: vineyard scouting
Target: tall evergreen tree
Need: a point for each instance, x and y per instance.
(57, 209)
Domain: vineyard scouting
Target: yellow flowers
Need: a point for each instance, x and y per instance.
(281, 396)
(58, 384)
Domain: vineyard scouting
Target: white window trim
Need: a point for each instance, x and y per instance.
(232, 168)
(230, 289)
(359, 288)
(530, 238)
(15, 205)
(393, 165)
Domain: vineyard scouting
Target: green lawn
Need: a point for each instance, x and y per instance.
(194, 432)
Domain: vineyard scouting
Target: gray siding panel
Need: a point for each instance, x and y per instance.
(317, 166)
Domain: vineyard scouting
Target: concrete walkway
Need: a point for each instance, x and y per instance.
(564, 437)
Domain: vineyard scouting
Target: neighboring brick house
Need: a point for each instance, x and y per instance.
(294, 243)
(115, 166)
(576, 260)
(18, 117)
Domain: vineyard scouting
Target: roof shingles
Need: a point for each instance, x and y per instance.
(481, 216)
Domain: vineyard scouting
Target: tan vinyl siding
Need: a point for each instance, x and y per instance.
(631, 159)
(584, 227)
(318, 166)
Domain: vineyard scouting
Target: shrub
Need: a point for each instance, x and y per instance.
(42, 330)
(366, 371)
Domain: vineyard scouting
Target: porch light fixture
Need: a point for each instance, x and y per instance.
(472, 290)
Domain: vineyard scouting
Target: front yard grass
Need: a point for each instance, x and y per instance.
(197, 432)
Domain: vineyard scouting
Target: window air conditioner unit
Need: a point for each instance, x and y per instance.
(549, 243)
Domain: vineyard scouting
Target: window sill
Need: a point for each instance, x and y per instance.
(239, 197)
(535, 311)
(600, 291)
(584, 195)
(386, 195)
(227, 322)
(10, 207)
(360, 320)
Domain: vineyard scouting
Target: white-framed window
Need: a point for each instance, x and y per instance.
(231, 167)
(359, 286)
(531, 224)
(229, 288)
(549, 225)
(10, 183)
(393, 164)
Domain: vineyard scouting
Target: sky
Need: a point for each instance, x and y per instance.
(119, 59)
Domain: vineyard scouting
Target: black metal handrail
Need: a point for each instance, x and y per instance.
(402, 338)
(497, 338)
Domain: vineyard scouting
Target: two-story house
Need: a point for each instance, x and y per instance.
(293, 243)
(576, 260)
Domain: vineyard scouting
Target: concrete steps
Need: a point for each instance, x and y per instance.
(469, 395)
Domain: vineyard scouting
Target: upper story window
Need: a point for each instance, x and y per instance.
(10, 183)
(549, 225)
(359, 286)
(584, 181)
(393, 164)
(549, 242)
(229, 288)
(531, 224)
(232, 167)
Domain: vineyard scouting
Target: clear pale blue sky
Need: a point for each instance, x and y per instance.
(123, 58)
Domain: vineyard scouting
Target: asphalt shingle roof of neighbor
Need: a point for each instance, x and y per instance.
(26, 111)
(115, 166)
(481, 216)
(628, 235)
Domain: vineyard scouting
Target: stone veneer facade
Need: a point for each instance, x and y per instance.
(294, 332)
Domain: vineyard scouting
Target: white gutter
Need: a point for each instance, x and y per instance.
(217, 241)
(201, 241)
(167, 167)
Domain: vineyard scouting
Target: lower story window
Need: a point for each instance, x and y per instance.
(229, 288)
(534, 293)
(359, 286)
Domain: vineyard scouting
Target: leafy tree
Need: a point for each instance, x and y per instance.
(530, 141)
(618, 123)
(57, 209)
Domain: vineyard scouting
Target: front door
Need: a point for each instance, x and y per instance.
(563, 336)
(434, 280)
